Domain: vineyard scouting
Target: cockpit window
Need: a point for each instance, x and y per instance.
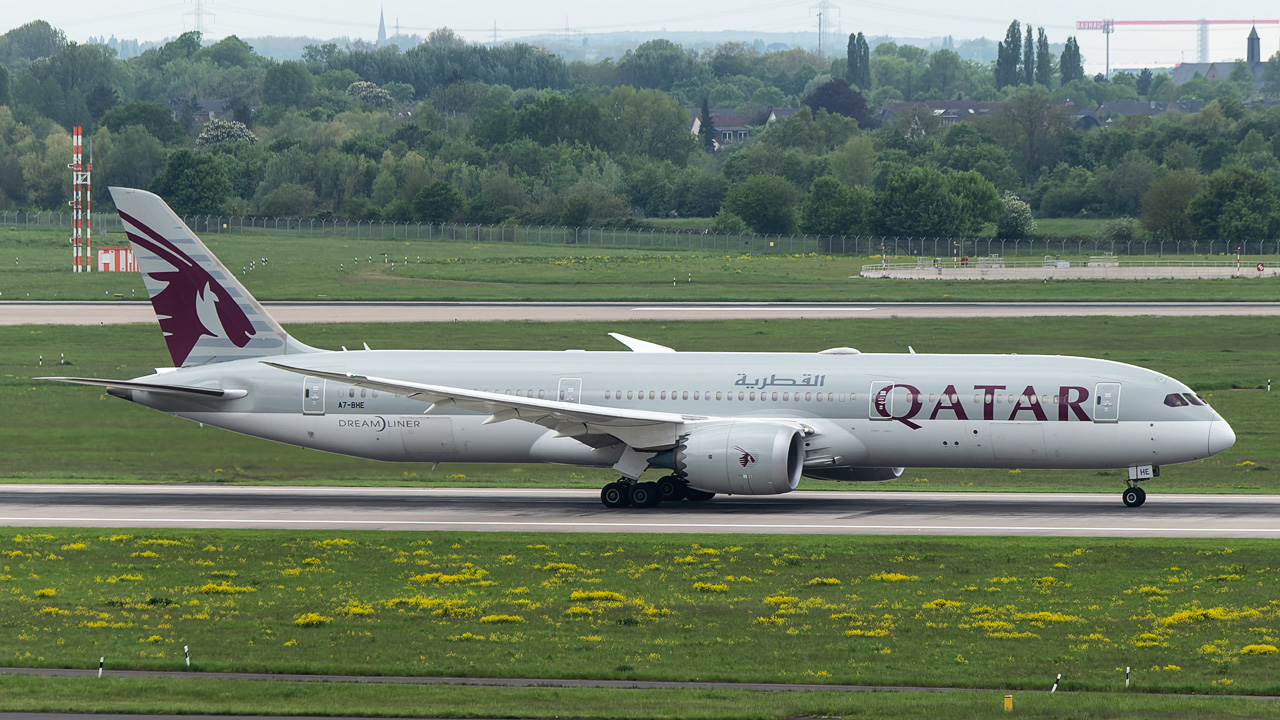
(1176, 400)
(1193, 399)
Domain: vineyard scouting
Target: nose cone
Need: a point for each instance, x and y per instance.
(1221, 436)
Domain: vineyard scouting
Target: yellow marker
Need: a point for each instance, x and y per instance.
(1008, 703)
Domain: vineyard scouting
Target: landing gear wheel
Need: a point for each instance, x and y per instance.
(1134, 496)
(671, 488)
(615, 495)
(697, 495)
(645, 495)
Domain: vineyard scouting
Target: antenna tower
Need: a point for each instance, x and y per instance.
(198, 12)
(825, 22)
(81, 199)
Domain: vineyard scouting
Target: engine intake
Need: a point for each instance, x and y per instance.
(741, 458)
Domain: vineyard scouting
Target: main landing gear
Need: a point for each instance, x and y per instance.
(626, 492)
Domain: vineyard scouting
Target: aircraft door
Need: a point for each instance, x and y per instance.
(570, 390)
(312, 396)
(1106, 403)
(885, 396)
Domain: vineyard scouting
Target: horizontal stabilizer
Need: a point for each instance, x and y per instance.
(180, 390)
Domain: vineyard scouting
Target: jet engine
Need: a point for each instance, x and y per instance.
(856, 474)
(740, 458)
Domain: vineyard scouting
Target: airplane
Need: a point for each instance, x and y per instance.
(736, 423)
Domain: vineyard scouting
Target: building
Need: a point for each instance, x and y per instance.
(1214, 71)
(728, 127)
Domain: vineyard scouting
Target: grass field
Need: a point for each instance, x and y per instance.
(301, 268)
(1186, 615)
(51, 431)
(242, 697)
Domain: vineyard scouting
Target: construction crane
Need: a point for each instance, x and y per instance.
(1109, 26)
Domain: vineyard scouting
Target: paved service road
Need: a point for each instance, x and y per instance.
(112, 313)
(494, 509)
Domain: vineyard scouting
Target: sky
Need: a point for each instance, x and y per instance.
(1131, 47)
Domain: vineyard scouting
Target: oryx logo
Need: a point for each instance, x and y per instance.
(192, 304)
(746, 458)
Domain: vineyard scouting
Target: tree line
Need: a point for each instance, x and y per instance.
(452, 131)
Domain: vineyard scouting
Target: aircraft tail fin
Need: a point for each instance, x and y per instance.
(206, 315)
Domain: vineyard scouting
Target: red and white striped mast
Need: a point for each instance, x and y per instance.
(81, 196)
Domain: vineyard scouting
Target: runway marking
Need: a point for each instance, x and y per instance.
(691, 526)
(806, 308)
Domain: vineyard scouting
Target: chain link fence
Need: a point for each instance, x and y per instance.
(860, 245)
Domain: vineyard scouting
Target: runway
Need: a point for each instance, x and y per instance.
(500, 509)
(116, 313)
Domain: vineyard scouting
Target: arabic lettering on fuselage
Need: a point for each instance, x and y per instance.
(806, 380)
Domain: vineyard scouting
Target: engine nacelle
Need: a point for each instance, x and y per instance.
(741, 457)
(856, 474)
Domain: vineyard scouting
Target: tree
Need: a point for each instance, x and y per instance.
(707, 128)
(289, 200)
(831, 208)
(192, 183)
(1028, 59)
(1044, 61)
(1033, 128)
(661, 64)
(835, 96)
(1143, 84)
(230, 51)
(1016, 221)
(134, 159)
(858, 63)
(766, 203)
(979, 201)
(156, 118)
(1122, 186)
(5, 93)
(1008, 53)
(32, 41)
(1226, 195)
(217, 132)
(367, 92)
(917, 201)
(438, 202)
(287, 83)
(1071, 65)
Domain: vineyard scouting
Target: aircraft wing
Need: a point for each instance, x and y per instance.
(179, 390)
(640, 429)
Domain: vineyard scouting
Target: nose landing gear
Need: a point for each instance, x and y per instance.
(1134, 496)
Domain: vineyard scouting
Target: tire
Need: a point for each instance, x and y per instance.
(1133, 497)
(615, 495)
(697, 495)
(671, 488)
(645, 495)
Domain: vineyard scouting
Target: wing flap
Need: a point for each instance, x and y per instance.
(178, 390)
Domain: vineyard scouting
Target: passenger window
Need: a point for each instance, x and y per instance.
(751, 396)
(608, 394)
(351, 392)
(786, 397)
(628, 394)
(717, 395)
(808, 397)
(543, 393)
(819, 397)
(1175, 400)
(664, 395)
(651, 395)
(362, 392)
(374, 392)
(695, 395)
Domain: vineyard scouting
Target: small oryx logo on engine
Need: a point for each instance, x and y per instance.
(747, 458)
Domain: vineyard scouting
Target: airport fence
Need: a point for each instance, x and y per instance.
(657, 238)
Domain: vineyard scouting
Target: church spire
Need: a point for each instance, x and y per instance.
(382, 28)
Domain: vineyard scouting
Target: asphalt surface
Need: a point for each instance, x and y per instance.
(501, 509)
(115, 313)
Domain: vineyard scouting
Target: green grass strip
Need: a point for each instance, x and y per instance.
(1186, 615)
(243, 697)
